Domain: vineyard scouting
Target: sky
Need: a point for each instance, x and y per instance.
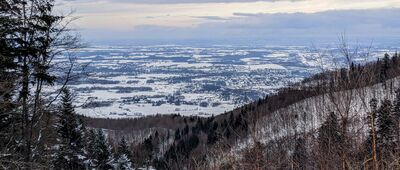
(234, 21)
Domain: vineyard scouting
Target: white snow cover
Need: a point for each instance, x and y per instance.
(311, 112)
(223, 76)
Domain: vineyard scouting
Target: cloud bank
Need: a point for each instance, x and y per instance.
(365, 25)
(184, 1)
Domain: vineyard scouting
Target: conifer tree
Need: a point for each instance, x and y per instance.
(395, 60)
(384, 69)
(148, 146)
(7, 79)
(385, 126)
(70, 152)
(9, 119)
(396, 115)
(185, 130)
(102, 152)
(123, 163)
(90, 139)
(177, 134)
(329, 132)
(31, 36)
(122, 156)
(330, 140)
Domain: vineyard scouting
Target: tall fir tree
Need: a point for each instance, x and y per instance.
(69, 153)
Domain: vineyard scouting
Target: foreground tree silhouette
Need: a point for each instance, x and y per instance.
(31, 36)
(8, 115)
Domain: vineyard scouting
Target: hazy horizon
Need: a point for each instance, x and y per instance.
(234, 22)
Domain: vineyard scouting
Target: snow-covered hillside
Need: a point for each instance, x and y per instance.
(307, 115)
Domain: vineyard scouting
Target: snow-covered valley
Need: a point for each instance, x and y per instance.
(127, 82)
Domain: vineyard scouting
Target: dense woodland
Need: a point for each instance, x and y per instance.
(40, 131)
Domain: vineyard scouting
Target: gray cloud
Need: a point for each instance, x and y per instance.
(183, 1)
(216, 18)
(193, 1)
(246, 14)
(364, 25)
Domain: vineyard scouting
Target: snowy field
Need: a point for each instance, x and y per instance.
(204, 81)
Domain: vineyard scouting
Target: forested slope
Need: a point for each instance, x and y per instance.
(280, 123)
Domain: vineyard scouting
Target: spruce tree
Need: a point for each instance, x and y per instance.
(123, 163)
(122, 156)
(384, 75)
(177, 134)
(395, 60)
(329, 133)
(70, 152)
(102, 152)
(90, 139)
(330, 140)
(385, 126)
(185, 130)
(396, 116)
(148, 147)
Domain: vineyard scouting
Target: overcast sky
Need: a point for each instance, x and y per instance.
(234, 21)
